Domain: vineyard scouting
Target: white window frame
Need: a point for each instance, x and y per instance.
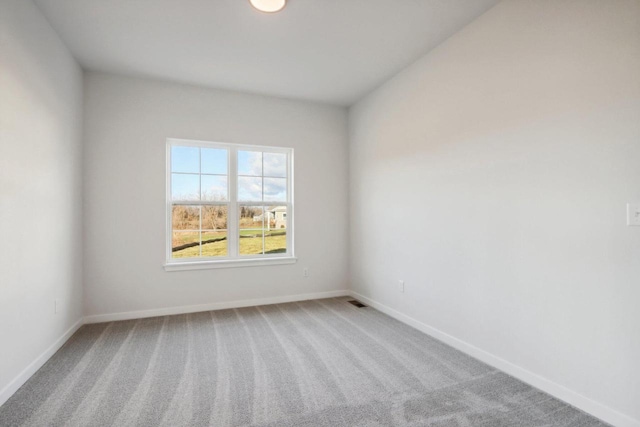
(233, 258)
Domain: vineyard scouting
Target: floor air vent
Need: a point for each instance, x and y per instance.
(357, 303)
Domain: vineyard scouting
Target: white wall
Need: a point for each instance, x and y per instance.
(40, 190)
(493, 176)
(127, 123)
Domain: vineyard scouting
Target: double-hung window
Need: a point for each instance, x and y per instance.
(228, 205)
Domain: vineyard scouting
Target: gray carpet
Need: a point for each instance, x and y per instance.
(314, 363)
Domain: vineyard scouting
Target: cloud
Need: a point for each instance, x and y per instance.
(251, 163)
(275, 164)
(251, 184)
(275, 189)
(249, 188)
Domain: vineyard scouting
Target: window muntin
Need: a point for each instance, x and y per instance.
(228, 202)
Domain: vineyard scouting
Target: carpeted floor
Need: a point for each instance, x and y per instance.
(313, 363)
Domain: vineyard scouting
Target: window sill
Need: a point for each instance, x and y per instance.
(205, 265)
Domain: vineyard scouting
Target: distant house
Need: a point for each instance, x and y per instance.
(279, 215)
(275, 218)
(258, 218)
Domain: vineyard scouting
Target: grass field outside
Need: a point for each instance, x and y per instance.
(250, 243)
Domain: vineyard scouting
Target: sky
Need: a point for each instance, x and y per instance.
(253, 184)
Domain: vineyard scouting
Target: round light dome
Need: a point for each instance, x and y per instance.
(269, 6)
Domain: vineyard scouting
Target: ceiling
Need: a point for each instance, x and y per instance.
(332, 51)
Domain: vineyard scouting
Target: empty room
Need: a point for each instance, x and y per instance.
(320, 213)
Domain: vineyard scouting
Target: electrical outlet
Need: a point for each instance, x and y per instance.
(401, 286)
(633, 214)
(57, 305)
(305, 272)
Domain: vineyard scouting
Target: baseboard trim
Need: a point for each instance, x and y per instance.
(99, 318)
(556, 390)
(33, 367)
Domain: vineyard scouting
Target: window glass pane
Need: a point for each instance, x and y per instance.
(251, 230)
(214, 160)
(214, 230)
(275, 234)
(250, 163)
(185, 218)
(185, 244)
(185, 187)
(214, 187)
(214, 243)
(185, 159)
(249, 189)
(275, 165)
(275, 189)
(214, 217)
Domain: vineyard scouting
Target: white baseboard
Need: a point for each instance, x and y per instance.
(33, 367)
(556, 390)
(99, 318)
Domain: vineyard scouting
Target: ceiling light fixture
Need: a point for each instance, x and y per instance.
(268, 6)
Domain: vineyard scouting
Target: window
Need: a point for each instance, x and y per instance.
(228, 205)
